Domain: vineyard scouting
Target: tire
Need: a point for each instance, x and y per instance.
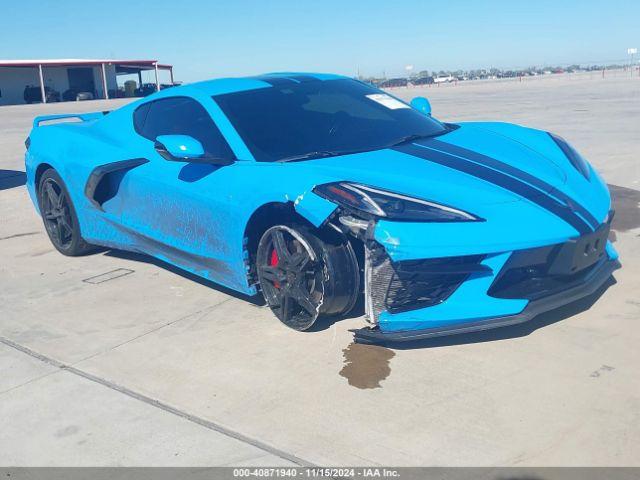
(304, 275)
(59, 216)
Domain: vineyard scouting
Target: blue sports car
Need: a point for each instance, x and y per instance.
(320, 191)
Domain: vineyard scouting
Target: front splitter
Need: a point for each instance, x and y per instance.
(583, 288)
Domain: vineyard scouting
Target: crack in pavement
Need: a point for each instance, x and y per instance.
(155, 329)
(18, 235)
(39, 377)
(158, 404)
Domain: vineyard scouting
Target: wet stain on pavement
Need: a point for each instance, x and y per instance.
(365, 366)
(603, 369)
(626, 202)
(65, 432)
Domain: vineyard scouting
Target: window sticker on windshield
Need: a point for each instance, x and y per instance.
(389, 102)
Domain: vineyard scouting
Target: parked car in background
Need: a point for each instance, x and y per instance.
(145, 89)
(443, 79)
(33, 94)
(422, 81)
(76, 95)
(84, 96)
(393, 82)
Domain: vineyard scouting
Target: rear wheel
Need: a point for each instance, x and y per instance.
(59, 216)
(303, 275)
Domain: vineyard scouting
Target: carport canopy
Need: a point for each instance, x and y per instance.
(122, 66)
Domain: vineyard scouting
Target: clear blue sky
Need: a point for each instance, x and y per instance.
(204, 39)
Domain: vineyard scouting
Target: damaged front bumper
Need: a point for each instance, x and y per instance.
(408, 298)
(581, 289)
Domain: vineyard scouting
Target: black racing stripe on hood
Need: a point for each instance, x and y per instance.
(500, 179)
(514, 172)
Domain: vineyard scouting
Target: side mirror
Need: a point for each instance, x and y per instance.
(183, 148)
(422, 105)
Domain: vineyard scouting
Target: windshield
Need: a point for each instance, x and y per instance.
(316, 119)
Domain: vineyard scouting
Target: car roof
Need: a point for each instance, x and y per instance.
(238, 84)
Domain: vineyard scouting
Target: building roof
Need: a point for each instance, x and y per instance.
(64, 62)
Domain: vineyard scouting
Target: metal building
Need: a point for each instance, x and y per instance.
(27, 81)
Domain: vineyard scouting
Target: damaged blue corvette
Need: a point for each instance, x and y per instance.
(319, 191)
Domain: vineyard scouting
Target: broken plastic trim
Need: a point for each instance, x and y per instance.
(401, 286)
(397, 287)
(352, 223)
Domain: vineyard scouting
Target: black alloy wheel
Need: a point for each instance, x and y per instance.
(303, 276)
(59, 216)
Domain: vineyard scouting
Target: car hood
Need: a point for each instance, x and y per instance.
(414, 169)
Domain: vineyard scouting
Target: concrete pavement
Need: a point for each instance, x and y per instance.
(153, 368)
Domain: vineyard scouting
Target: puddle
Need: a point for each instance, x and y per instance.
(365, 366)
(626, 202)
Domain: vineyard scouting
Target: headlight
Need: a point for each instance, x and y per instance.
(380, 203)
(572, 155)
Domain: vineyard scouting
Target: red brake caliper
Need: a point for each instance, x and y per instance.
(273, 261)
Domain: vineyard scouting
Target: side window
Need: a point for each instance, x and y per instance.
(139, 116)
(181, 116)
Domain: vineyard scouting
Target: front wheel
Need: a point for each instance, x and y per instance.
(304, 275)
(59, 216)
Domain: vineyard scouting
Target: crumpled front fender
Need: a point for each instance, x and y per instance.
(314, 208)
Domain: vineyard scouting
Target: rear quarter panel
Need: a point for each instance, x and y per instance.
(73, 150)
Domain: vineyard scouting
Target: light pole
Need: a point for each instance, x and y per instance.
(631, 52)
(409, 69)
